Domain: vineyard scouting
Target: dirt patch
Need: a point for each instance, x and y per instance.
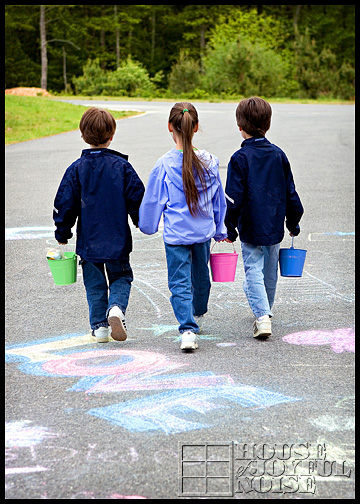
(27, 91)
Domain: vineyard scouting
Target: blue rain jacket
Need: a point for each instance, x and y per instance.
(261, 194)
(100, 189)
(165, 194)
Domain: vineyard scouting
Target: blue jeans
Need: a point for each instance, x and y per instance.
(103, 293)
(261, 274)
(189, 282)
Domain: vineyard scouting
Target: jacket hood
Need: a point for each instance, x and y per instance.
(173, 167)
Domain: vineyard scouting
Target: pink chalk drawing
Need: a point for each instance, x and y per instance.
(77, 364)
(340, 340)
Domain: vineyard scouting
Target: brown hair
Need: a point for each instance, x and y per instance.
(97, 126)
(253, 115)
(184, 118)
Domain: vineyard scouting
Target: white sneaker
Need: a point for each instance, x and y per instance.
(116, 320)
(102, 335)
(262, 327)
(200, 322)
(189, 341)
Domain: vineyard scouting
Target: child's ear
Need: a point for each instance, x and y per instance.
(196, 127)
(170, 128)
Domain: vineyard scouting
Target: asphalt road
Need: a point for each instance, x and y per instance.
(238, 418)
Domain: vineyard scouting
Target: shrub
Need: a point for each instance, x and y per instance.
(130, 79)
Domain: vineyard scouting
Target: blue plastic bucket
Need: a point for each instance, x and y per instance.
(291, 261)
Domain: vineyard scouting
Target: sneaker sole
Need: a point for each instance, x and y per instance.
(262, 335)
(102, 340)
(118, 331)
(188, 346)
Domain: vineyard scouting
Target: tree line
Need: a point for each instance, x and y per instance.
(295, 51)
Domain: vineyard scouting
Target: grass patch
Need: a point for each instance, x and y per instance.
(30, 117)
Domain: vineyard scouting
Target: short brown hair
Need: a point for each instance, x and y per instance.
(97, 126)
(253, 115)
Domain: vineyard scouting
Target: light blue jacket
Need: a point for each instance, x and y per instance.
(165, 194)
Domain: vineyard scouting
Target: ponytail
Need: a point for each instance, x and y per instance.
(184, 118)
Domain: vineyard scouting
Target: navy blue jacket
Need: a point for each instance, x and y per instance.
(261, 194)
(100, 189)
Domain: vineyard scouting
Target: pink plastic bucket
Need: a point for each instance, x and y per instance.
(223, 266)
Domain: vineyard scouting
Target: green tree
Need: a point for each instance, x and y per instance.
(185, 75)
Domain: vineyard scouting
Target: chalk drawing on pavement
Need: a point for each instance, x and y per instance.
(340, 340)
(24, 434)
(344, 235)
(159, 412)
(332, 423)
(120, 370)
(162, 329)
(29, 233)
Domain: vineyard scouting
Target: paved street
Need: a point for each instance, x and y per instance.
(238, 418)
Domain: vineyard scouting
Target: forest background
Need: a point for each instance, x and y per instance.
(192, 51)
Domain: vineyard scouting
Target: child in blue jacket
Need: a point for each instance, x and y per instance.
(261, 195)
(100, 190)
(185, 186)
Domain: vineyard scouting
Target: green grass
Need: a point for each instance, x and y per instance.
(29, 117)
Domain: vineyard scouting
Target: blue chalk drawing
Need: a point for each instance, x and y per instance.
(341, 233)
(156, 412)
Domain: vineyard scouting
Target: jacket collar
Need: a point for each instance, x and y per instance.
(87, 152)
(254, 140)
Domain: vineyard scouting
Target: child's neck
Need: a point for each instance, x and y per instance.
(101, 146)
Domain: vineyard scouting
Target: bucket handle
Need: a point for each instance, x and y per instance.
(215, 242)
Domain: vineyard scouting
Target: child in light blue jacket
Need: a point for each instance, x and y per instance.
(185, 186)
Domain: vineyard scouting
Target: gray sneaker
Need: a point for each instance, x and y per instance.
(262, 327)
(189, 341)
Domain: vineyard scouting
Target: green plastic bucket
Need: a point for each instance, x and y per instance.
(64, 270)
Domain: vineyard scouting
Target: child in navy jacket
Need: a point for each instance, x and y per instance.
(100, 190)
(261, 195)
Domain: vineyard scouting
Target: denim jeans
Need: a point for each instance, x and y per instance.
(189, 282)
(103, 293)
(261, 274)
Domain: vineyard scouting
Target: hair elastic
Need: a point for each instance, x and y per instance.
(185, 110)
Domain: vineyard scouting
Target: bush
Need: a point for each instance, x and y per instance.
(130, 79)
(92, 81)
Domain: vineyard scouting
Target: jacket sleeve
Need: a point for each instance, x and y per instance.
(133, 192)
(234, 192)
(219, 205)
(66, 205)
(294, 208)
(154, 201)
